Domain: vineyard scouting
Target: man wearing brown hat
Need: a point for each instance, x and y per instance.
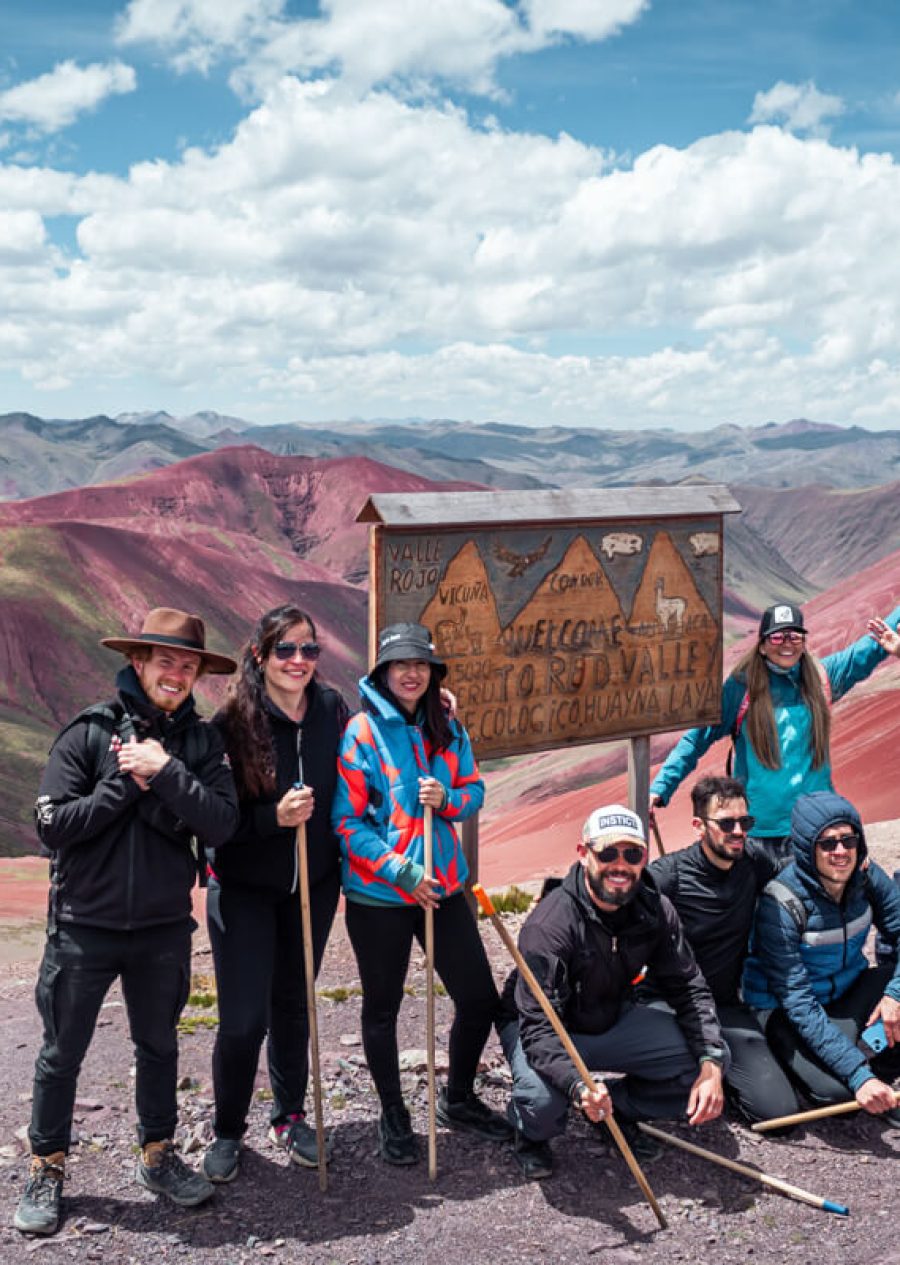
(128, 786)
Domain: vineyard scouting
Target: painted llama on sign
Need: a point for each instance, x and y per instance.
(669, 610)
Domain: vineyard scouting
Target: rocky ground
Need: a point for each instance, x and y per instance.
(478, 1209)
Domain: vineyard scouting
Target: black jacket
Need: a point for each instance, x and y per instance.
(588, 973)
(262, 854)
(122, 857)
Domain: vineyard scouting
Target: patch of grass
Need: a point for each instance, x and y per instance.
(338, 1101)
(339, 993)
(189, 1024)
(264, 1095)
(203, 1000)
(513, 901)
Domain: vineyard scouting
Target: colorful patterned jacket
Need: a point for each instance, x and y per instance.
(377, 815)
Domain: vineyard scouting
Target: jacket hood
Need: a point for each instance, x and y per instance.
(814, 813)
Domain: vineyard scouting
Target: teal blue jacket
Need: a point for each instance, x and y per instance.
(771, 793)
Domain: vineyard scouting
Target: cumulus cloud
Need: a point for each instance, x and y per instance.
(55, 100)
(358, 254)
(197, 31)
(459, 41)
(800, 107)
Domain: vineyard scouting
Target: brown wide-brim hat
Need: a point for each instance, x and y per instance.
(165, 626)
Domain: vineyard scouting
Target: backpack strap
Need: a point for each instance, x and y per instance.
(789, 900)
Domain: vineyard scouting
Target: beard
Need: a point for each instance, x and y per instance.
(725, 851)
(611, 896)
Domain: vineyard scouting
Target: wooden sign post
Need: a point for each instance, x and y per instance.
(565, 616)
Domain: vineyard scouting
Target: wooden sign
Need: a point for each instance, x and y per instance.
(563, 632)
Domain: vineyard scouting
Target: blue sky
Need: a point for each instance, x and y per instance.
(594, 212)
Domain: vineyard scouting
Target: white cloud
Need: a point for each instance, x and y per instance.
(367, 43)
(344, 254)
(55, 100)
(197, 30)
(801, 107)
(584, 19)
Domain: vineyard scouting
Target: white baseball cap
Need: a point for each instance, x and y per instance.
(615, 824)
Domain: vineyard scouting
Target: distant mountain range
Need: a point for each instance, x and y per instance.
(105, 517)
(38, 456)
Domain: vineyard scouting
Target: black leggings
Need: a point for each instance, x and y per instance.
(257, 944)
(382, 937)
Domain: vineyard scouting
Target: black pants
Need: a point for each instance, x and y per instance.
(79, 966)
(755, 1082)
(382, 939)
(257, 944)
(849, 1013)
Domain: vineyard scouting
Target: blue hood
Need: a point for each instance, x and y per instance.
(814, 813)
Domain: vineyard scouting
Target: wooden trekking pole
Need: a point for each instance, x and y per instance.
(429, 999)
(309, 970)
(558, 1027)
(818, 1113)
(654, 826)
(774, 1183)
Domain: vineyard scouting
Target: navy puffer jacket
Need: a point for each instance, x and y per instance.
(802, 971)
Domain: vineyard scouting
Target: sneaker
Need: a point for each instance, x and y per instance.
(535, 1159)
(298, 1138)
(474, 1116)
(162, 1170)
(396, 1141)
(39, 1208)
(644, 1148)
(222, 1160)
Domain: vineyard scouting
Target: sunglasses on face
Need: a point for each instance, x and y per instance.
(792, 637)
(849, 841)
(285, 650)
(630, 853)
(727, 824)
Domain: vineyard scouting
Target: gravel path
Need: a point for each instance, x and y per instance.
(478, 1210)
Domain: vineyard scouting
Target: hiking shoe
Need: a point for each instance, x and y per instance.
(396, 1141)
(644, 1148)
(535, 1159)
(162, 1170)
(39, 1208)
(222, 1160)
(474, 1116)
(298, 1138)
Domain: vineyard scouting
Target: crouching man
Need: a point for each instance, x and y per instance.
(128, 785)
(589, 942)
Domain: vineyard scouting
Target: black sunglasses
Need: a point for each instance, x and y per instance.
(630, 853)
(727, 824)
(285, 650)
(848, 841)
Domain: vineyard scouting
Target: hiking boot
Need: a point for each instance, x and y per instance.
(39, 1207)
(473, 1116)
(222, 1160)
(162, 1170)
(535, 1159)
(396, 1141)
(644, 1148)
(298, 1138)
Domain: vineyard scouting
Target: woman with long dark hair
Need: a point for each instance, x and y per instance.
(401, 753)
(281, 728)
(776, 710)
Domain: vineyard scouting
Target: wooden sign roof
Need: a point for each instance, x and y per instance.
(445, 509)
